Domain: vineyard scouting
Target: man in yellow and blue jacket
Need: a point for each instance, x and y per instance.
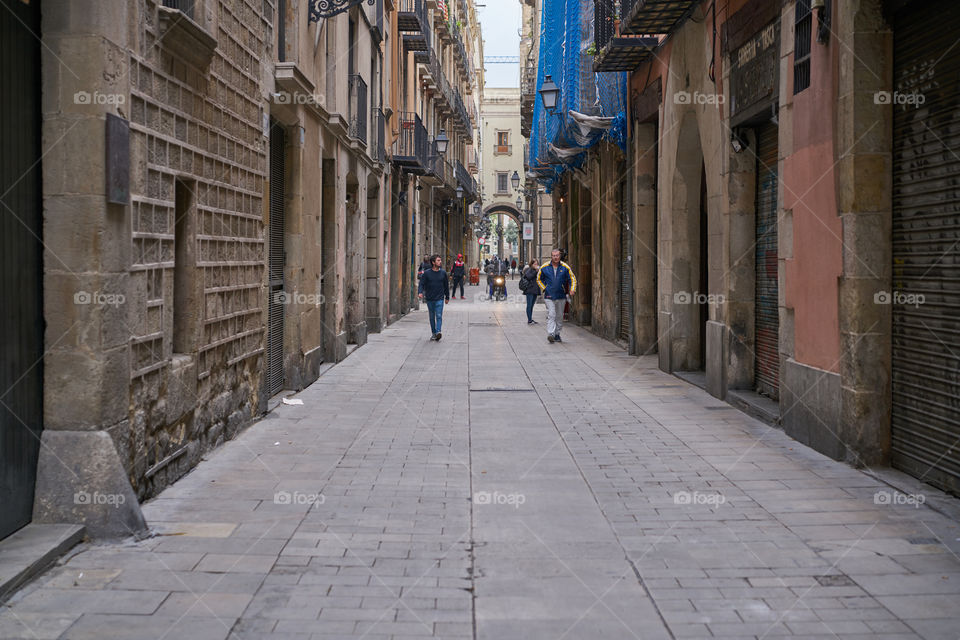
(556, 282)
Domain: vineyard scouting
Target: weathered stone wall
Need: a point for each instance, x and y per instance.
(203, 126)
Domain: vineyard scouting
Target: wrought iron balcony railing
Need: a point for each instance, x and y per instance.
(378, 144)
(410, 147)
(413, 25)
(465, 180)
(603, 27)
(186, 7)
(357, 89)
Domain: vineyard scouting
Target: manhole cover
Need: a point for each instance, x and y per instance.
(923, 541)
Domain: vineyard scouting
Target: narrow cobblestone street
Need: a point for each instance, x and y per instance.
(496, 486)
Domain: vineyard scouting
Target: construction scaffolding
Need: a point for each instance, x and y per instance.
(591, 106)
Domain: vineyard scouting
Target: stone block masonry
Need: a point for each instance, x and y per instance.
(195, 133)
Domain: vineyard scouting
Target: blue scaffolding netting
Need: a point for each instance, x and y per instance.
(559, 141)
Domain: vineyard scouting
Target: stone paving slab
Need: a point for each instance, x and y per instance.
(496, 486)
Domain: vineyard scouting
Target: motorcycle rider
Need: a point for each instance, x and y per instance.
(498, 268)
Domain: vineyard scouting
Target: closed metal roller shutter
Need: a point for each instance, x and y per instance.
(275, 304)
(767, 314)
(626, 271)
(925, 427)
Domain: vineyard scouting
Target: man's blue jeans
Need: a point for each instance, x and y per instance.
(435, 311)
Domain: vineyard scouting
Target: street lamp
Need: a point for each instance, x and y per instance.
(476, 209)
(515, 180)
(549, 92)
(442, 141)
(459, 192)
(520, 204)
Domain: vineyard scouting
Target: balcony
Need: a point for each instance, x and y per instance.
(473, 160)
(615, 52)
(465, 180)
(462, 118)
(428, 68)
(413, 26)
(528, 89)
(449, 176)
(502, 149)
(412, 15)
(433, 176)
(648, 17)
(442, 26)
(357, 90)
(410, 147)
(379, 138)
(460, 52)
(186, 7)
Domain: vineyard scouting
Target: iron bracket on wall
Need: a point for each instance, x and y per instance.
(320, 9)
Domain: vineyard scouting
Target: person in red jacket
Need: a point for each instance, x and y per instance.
(458, 272)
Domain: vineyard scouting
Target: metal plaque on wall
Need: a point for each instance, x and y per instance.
(755, 75)
(118, 159)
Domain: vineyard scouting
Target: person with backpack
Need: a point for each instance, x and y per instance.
(528, 284)
(424, 266)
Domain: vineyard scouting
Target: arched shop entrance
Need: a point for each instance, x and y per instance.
(516, 216)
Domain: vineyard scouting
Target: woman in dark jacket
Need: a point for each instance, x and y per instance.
(531, 289)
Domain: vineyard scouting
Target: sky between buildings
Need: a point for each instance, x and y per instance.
(500, 24)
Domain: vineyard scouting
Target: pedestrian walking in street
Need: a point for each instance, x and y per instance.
(424, 266)
(458, 273)
(435, 289)
(528, 284)
(556, 282)
(513, 268)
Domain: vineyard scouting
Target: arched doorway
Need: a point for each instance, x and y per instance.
(513, 213)
(687, 245)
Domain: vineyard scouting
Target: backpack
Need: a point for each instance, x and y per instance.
(525, 283)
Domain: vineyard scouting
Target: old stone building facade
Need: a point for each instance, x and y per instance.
(502, 157)
(787, 205)
(220, 217)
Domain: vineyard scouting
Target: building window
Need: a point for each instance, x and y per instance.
(803, 35)
(186, 7)
(503, 146)
(186, 305)
(503, 183)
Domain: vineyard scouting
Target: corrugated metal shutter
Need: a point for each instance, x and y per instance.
(767, 318)
(275, 305)
(925, 426)
(626, 271)
(21, 263)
